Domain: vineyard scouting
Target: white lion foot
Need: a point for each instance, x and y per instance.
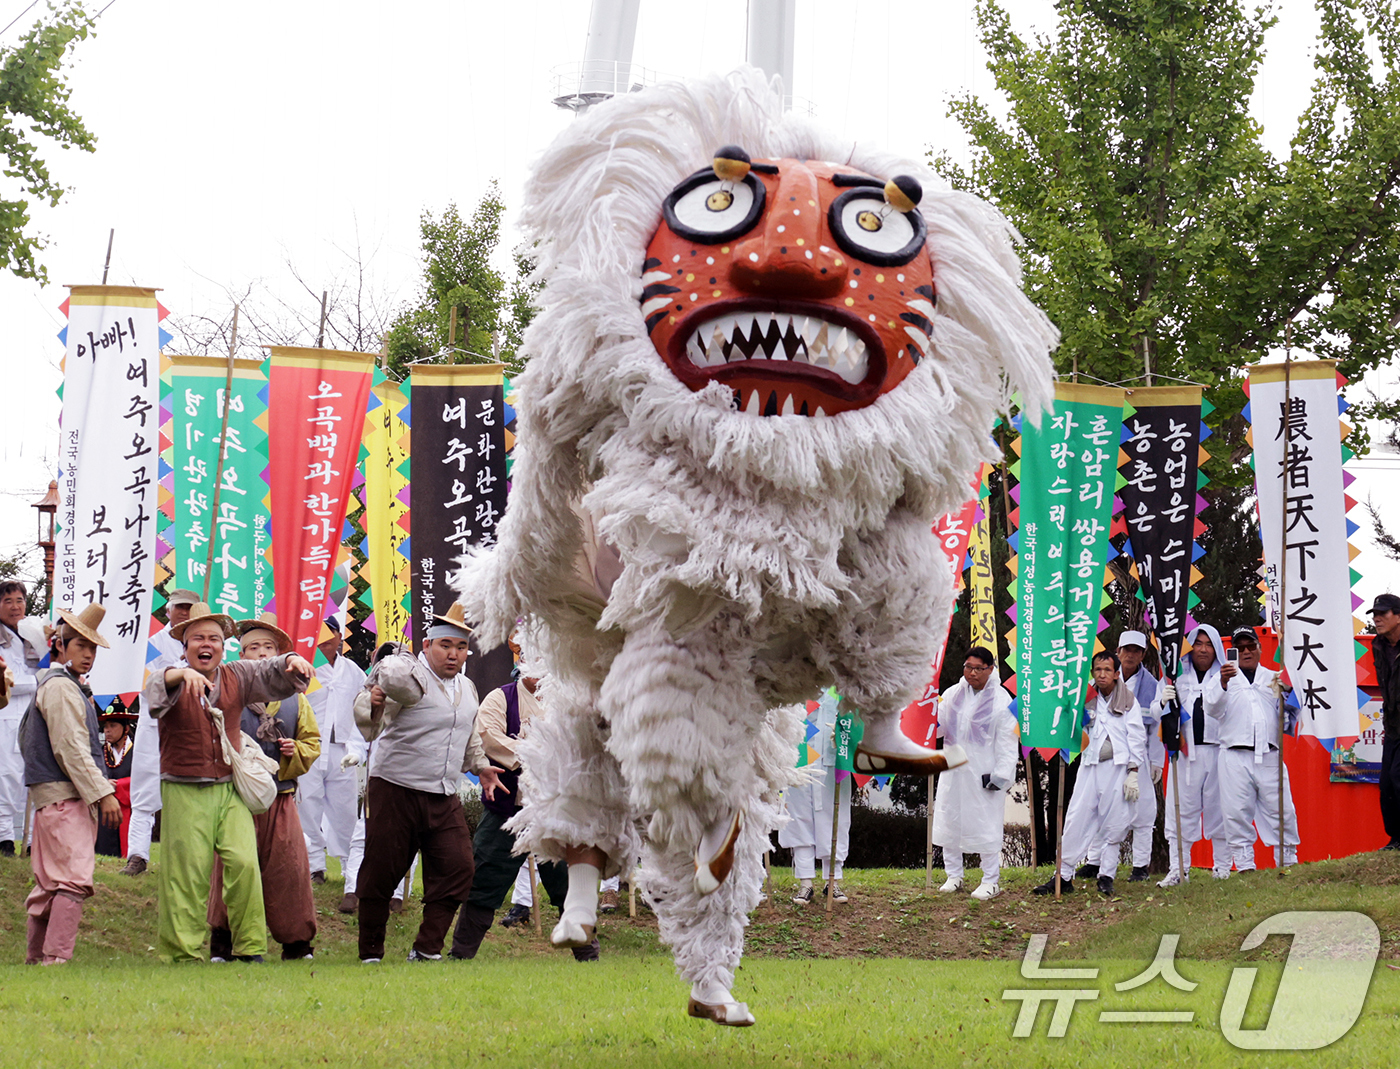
(885, 750)
(714, 857)
(713, 1002)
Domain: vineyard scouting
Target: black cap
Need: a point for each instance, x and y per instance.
(1246, 634)
(1385, 603)
(333, 624)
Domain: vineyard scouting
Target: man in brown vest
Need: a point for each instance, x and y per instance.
(202, 812)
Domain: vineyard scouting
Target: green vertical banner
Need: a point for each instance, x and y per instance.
(1069, 475)
(241, 581)
(849, 729)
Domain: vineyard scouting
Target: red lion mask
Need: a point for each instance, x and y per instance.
(804, 287)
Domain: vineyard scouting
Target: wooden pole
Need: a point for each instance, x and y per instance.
(1030, 801)
(1060, 821)
(1146, 362)
(452, 332)
(928, 840)
(1176, 803)
(219, 464)
(111, 235)
(534, 897)
(321, 331)
(835, 828)
(632, 892)
(768, 875)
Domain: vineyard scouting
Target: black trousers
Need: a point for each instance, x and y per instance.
(401, 823)
(1390, 787)
(496, 869)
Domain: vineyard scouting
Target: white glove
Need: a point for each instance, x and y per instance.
(350, 760)
(1156, 773)
(1277, 687)
(1130, 787)
(1169, 692)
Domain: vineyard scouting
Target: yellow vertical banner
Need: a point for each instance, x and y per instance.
(980, 576)
(386, 511)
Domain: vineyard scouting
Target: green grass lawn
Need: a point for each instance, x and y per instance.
(897, 977)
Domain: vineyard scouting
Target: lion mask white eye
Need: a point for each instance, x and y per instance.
(870, 226)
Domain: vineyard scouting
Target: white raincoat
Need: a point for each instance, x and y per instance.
(966, 815)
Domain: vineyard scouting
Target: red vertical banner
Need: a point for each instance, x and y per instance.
(316, 418)
(952, 532)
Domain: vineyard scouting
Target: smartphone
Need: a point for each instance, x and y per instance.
(1232, 655)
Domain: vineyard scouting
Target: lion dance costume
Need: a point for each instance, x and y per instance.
(766, 360)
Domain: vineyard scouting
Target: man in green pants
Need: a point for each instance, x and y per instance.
(202, 812)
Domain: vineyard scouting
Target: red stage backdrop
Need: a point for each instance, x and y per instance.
(316, 418)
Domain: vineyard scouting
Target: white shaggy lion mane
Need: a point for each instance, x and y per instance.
(702, 500)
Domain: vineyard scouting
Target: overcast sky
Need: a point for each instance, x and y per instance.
(235, 138)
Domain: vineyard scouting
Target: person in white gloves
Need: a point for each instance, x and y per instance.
(1244, 699)
(969, 811)
(1107, 790)
(1197, 730)
(1147, 688)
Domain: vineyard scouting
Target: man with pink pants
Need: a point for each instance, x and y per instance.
(64, 771)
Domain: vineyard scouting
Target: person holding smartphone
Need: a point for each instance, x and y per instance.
(1244, 701)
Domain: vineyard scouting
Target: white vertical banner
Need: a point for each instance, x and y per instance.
(1302, 520)
(109, 470)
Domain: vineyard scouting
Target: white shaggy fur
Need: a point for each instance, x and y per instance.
(763, 558)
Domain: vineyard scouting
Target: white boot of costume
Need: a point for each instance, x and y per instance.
(884, 749)
(578, 922)
(712, 1001)
(714, 857)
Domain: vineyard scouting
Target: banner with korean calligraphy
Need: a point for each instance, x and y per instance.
(979, 573)
(457, 436)
(1162, 439)
(386, 497)
(952, 531)
(109, 461)
(315, 420)
(241, 581)
(1303, 523)
(1068, 473)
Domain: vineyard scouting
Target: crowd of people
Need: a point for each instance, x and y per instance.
(368, 769)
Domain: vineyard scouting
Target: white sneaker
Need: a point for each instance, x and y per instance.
(369, 961)
(985, 891)
(216, 960)
(1220, 875)
(1173, 880)
(953, 885)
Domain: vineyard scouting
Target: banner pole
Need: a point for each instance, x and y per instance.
(1176, 802)
(1060, 821)
(928, 840)
(768, 877)
(632, 892)
(111, 236)
(835, 826)
(1030, 801)
(223, 454)
(321, 330)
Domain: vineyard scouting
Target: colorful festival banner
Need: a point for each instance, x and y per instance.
(918, 718)
(316, 415)
(982, 605)
(1162, 439)
(386, 545)
(109, 467)
(1303, 524)
(457, 433)
(241, 581)
(1068, 473)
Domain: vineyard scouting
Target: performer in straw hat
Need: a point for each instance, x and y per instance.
(287, 733)
(117, 754)
(203, 814)
(145, 764)
(64, 771)
(412, 797)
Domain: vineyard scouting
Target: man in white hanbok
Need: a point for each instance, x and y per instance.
(1244, 699)
(23, 645)
(808, 830)
(1198, 790)
(1107, 790)
(969, 811)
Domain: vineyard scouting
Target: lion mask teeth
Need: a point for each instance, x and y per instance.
(777, 336)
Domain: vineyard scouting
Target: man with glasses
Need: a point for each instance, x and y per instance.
(1244, 700)
(1385, 611)
(969, 811)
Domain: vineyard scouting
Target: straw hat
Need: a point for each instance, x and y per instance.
(86, 623)
(456, 617)
(201, 611)
(267, 622)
